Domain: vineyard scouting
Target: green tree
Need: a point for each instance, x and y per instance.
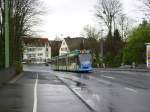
(135, 50)
(92, 42)
(113, 49)
(22, 16)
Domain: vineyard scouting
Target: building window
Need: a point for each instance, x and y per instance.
(63, 49)
(40, 54)
(39, 49)
(63, 43)
(31, 49)
(46, 48)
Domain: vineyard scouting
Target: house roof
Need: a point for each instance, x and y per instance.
(35, 41)
(55, 46)
(75, 43)
(55, 43)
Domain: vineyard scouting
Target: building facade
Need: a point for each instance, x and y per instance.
(70, 44)
(63, 48)
(36, 50)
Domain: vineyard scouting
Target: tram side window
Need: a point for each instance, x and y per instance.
(62, 62)
(52, 62)
(59, 62)
(55, 62)
(73, 59)
(77, 60)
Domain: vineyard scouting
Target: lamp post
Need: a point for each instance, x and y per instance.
(6, 34)
(101, 44)
(101, 48)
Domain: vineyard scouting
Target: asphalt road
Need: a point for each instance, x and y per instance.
(39, 90)
(114, 91)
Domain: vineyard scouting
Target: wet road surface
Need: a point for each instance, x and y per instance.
(112, 91)
(39, 90)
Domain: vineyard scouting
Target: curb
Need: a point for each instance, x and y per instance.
(131, 70)
(78, 95)
(14, 79)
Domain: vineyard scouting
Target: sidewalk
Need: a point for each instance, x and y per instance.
(6, 75)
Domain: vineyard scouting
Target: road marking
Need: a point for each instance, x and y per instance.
(108, 77)
(103, 81)
(130, 89)
(35, 95)
(35, 70)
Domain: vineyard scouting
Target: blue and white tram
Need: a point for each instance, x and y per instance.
(77, 61)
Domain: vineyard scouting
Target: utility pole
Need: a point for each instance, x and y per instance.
(102, 49)
(101, 44)
(6, 34)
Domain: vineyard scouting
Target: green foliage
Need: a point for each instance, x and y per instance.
(92, 43)
(113, 50)
(94, 46)
(135, 50)
(19, 67)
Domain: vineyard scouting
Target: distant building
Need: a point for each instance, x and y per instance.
(36, 50)
(55, 46)
(70, 44)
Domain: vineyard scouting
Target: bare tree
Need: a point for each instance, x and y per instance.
(107, 10)
(144, 8)
(147, 4)
(91, 32)
(23, 14)
(124, 26)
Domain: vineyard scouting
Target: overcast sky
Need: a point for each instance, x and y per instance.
(68, 17)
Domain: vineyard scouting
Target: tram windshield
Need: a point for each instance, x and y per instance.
(85, 57)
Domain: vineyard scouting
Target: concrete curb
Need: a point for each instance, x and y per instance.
(14, 79)
(78, 95)
(131, 70)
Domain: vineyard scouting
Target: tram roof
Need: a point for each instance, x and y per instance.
(72, 53)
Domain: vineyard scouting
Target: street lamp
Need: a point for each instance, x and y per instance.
(101, 47)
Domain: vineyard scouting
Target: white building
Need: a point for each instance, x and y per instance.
(63, 48)
(70, 44)
(36, 50)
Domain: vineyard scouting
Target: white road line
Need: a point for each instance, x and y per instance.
(130, 89)
(103, 81)
(108, 77)
(35, 70)
(35, 95)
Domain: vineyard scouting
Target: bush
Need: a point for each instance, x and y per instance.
(18, 67)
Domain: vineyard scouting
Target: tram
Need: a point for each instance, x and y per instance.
(75, 61)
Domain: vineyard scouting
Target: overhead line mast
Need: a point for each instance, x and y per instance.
(6, 34)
